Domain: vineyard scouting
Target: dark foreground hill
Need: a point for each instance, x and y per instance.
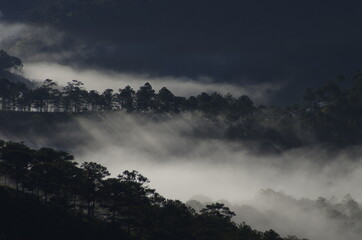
(47, 196)
(22, 216)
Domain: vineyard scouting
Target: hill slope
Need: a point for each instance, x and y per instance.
(25, 217)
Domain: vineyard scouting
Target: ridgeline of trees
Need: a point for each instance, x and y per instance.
(15, 96)
(49, 97)
(332, 114)
(125, 203)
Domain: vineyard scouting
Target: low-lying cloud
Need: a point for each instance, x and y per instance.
(323, 219)
(99, 80)
(37, 43)
(50, 53)
(195, 150)
(9, 32)
(186, 155)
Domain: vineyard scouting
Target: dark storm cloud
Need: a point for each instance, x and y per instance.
(299, 42)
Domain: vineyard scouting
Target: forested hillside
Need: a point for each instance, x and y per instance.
(49, 195)
(331, 114)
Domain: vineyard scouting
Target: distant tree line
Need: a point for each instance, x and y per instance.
(126, 201)
(49, 97)
(331, 114)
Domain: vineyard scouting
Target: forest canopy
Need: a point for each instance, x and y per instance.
(331, 114)
(126, 202)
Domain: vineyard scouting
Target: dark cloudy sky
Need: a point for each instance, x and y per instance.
(294, 43)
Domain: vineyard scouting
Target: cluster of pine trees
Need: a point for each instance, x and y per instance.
(331, 114)
(125, 201)
(15, 96)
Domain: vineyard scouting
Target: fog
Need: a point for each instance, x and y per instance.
(9, 31)
(35, 43)
(58, 57)
(334, 218)
(101, 79)
(193, 149)
(183, 159)
(187, 155)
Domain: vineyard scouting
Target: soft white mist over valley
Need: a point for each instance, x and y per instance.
(185, 120)
(185, 158)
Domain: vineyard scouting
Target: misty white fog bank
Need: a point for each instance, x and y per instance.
(102, 79)
(44, 58)
(190, 148)
(325, 219)
(184, 156)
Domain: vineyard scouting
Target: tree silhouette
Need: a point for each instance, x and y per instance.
(108, 100)
(145, 98)
(165, 100)
(17, 158)
(241, 108)
(126, 98)
(94, 174)
(136, 199)
(218, 210)
(271, 235)
(73, 96)
(214, 222)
